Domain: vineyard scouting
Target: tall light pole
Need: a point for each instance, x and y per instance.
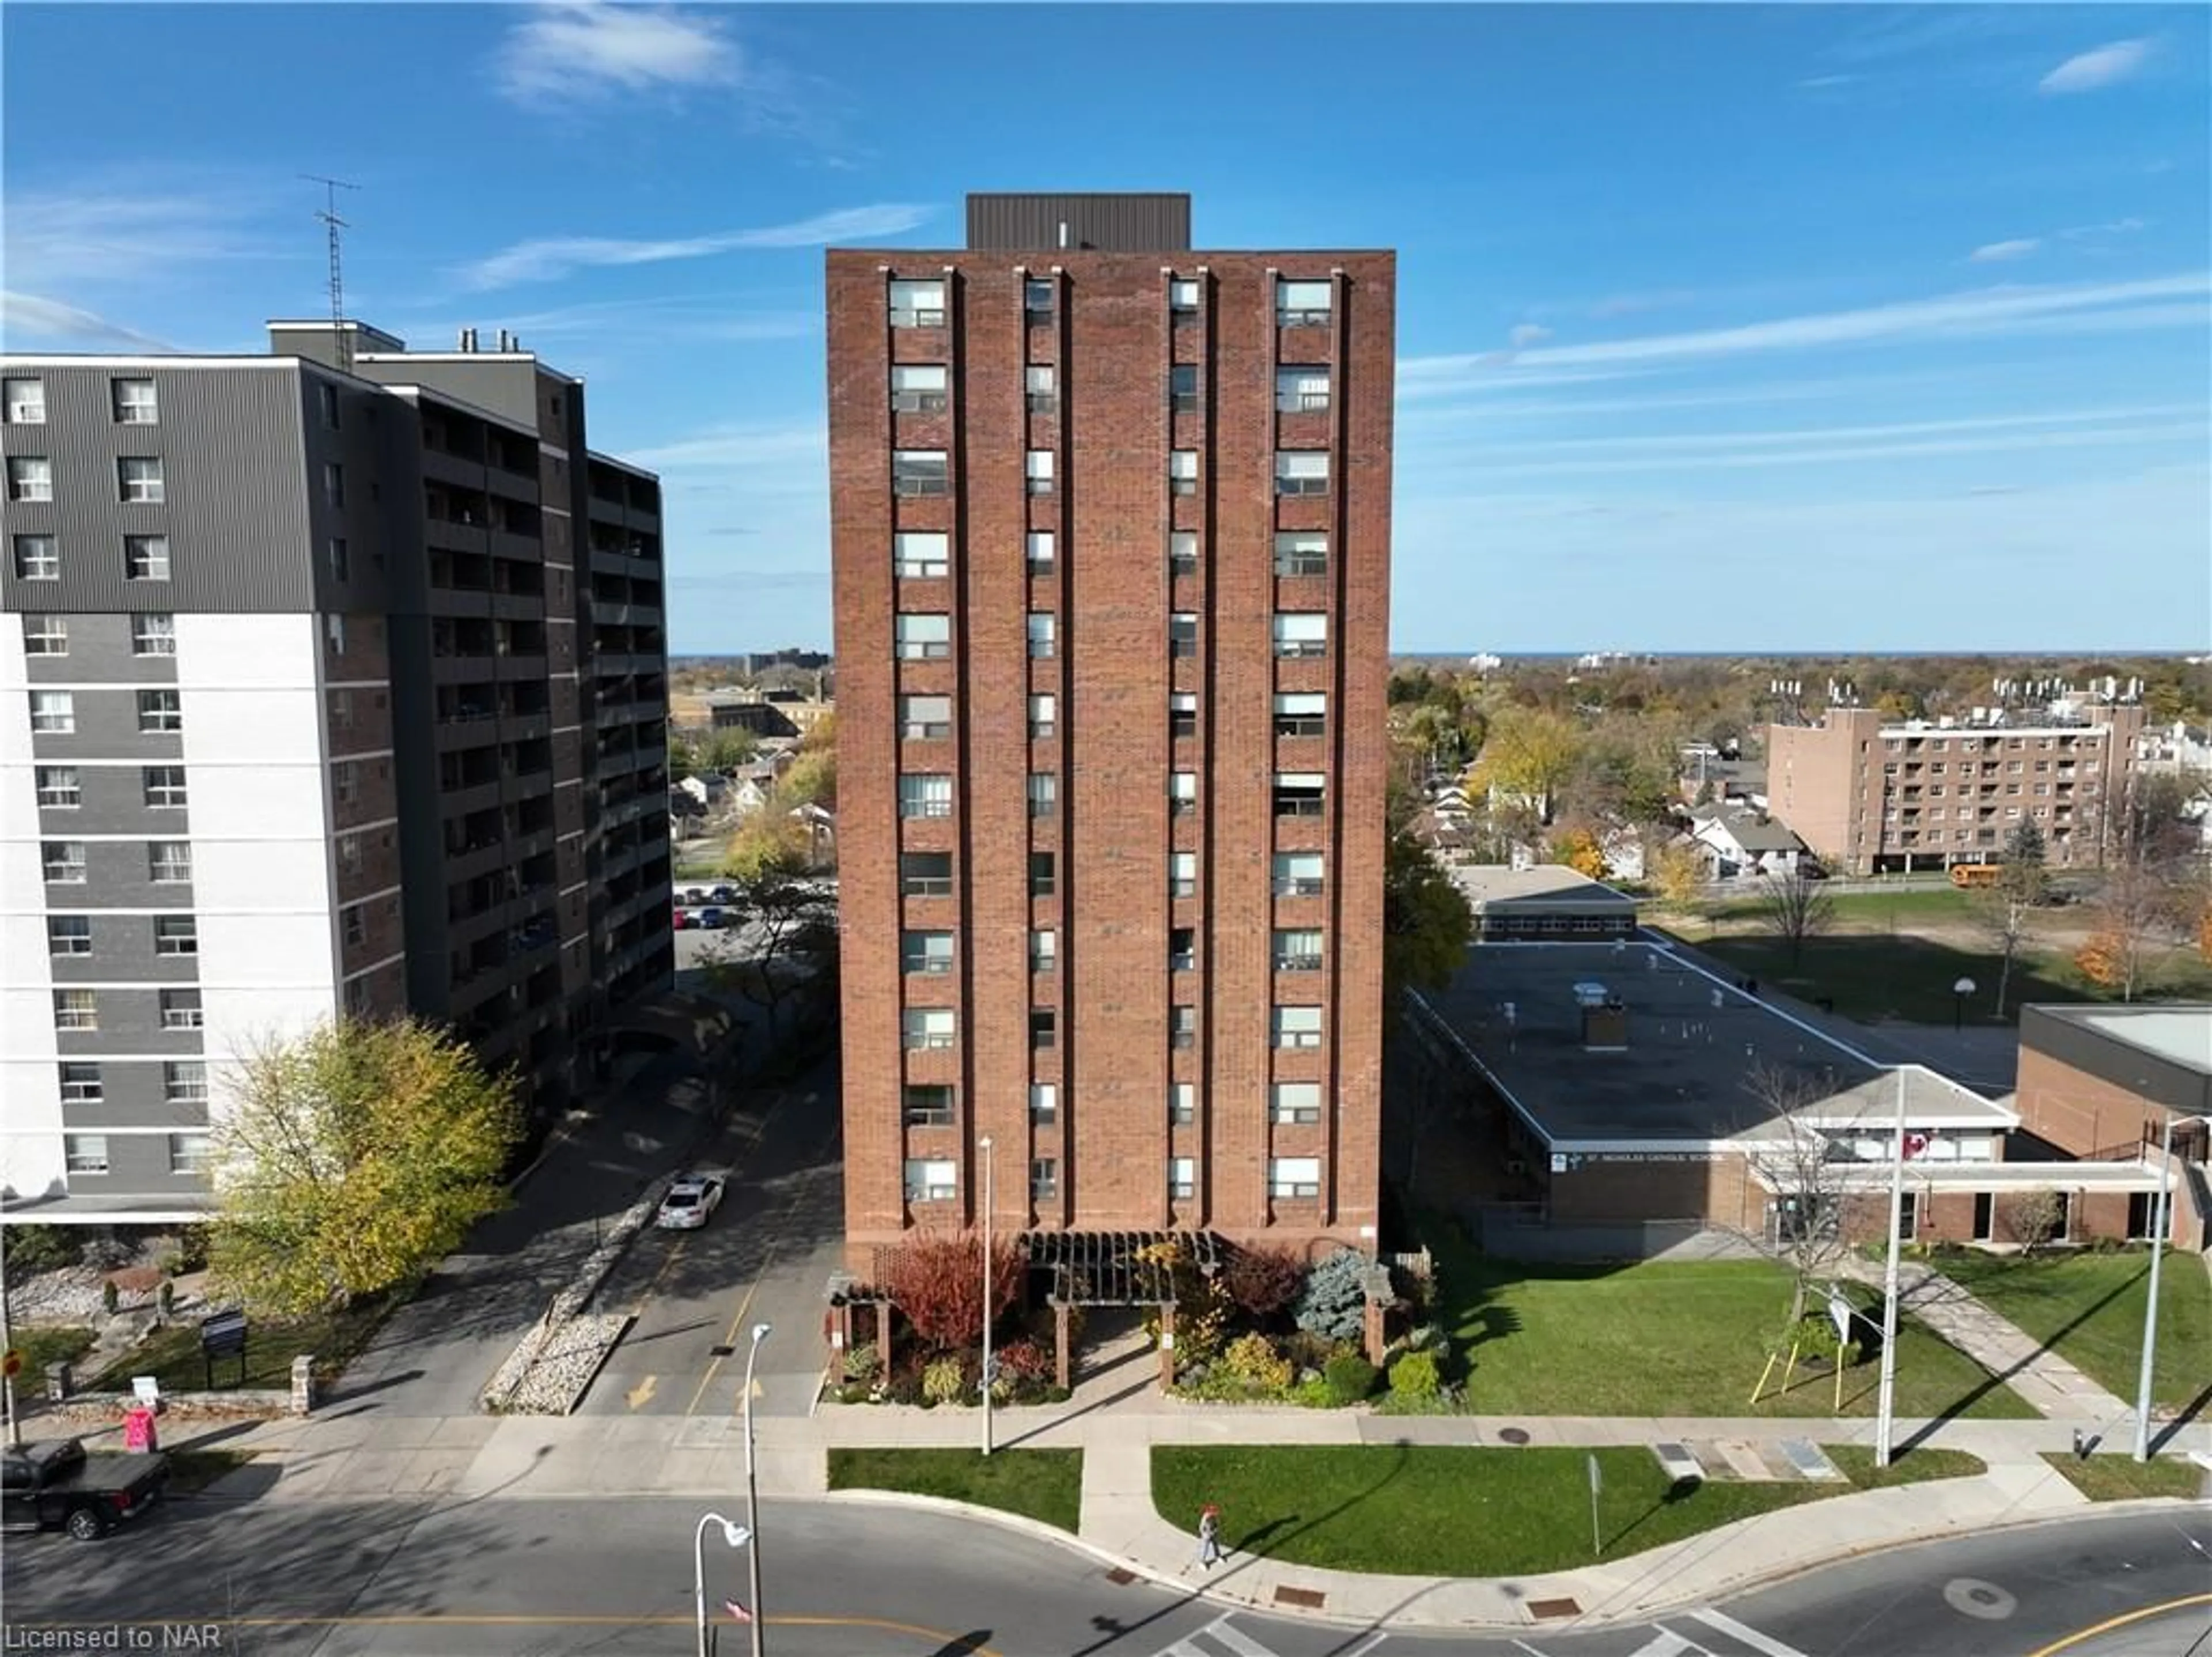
(761, 1333)
(1885, 1410)
(737, 1536)
(2161, 1217)
(985, 1143)
(1959, 991)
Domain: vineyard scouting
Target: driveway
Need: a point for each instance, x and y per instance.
(765, 1257)
(433, 1357)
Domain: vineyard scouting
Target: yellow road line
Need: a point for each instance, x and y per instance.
(2108, 1624)
(517, 1619)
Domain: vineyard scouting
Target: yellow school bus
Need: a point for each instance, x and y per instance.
(1965, 875)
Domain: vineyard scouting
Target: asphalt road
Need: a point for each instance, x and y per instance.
(404, 1579)
(764, 1255)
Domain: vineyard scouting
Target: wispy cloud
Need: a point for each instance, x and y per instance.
(1997, 252)
(2100, 67)
(733, 316)
(728, 447)
(1752, 455)
(1829, 438)
(92, 234)
(1526, 334)
(27, 314)
(590, 49)
(1980, 312)
(545, 258)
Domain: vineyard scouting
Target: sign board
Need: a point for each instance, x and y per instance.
(147, 1389)
(1596, 1477)
(1839, 1314)
(225, 1332)
(991, 1371)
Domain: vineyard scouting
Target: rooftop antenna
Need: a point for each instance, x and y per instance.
(334, 225)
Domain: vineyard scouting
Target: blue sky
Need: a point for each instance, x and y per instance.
(1721, 327)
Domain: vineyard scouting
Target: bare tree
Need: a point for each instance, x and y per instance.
(789, 927)
(1794, 1158)
(1795, 1155)
(2002, 915)
(1796, 908)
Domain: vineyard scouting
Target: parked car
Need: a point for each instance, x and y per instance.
(693, 895)
(56, 1486)
(689, 1201)
(712, 919)
(685, 920)
(723, 894)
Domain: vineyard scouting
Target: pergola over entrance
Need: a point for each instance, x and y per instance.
(1087, 1268)
(1111, 1268)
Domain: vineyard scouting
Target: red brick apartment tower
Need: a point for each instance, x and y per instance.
(1111, 524)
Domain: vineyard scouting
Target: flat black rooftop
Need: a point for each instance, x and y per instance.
(1683, 1073)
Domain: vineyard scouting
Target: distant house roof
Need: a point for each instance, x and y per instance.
(1747, 829)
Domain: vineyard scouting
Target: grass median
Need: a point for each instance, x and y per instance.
(1040, 1484)
(2118, 1478)
(1448, 1510)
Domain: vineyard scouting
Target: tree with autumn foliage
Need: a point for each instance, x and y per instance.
(1678, 872)
(937, 1281)
(1528, 756)
(1578, 848)
(351, 1159)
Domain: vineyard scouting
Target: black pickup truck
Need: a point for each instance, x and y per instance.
(56, 1486)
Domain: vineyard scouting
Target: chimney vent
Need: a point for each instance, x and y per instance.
(1063, 232)
(461, 341)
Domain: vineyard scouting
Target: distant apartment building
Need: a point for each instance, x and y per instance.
(333, 681)
(1868, 793)
(1110, 524)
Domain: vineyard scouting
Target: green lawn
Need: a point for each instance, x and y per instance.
(1043, 1484)
(1875, 974)
(173, 1355)
(63, 1343)
(2121, 1478)
(2089, 1309)
(1446, 1510)
(1666, 1339)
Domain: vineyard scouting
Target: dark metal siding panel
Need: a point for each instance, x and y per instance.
(236, 512)
(1136, 224)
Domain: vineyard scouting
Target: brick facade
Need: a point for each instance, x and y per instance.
(1110, 335)
(1867, 795)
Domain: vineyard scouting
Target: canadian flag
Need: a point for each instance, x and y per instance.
(737, 1612)
(1915, 1143)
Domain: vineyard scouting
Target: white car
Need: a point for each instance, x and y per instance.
(689, 1201)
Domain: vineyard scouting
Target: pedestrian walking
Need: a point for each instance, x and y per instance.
(1209, 1536)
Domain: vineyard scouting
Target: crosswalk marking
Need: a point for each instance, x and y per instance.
(1668, 1643)
(1764, 1643)
(1223, 1633)
(1236, 1639)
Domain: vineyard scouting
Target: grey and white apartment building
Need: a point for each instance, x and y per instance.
(331, 681)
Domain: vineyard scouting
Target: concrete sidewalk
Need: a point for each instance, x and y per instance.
(2051, 1386)
(702, 1458)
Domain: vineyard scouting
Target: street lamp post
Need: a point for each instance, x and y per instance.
(1959, 991)
(2162, 1217)
(988, 1194)
(761, 1333)
(737, 1536)
(1886, 1404)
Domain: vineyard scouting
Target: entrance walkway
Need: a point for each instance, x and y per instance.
(2054, 1387)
